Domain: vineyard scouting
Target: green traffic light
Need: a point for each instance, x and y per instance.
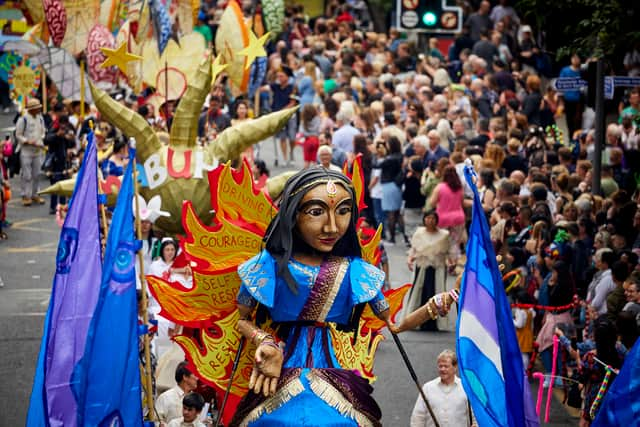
(429, 19)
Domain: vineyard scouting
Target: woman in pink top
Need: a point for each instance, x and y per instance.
(448, 198)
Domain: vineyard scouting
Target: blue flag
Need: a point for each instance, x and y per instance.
(488, 353)
(621, 404)
(74, 295)
(110, 389)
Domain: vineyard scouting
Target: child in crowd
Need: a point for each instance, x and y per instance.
(523, 321)
(192, 405)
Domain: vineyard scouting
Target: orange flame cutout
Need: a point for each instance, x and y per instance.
(219, 248)
(357, 178)
(394, 298)
(235, 199)
(371, 251)
(212, 361)
(358, 355)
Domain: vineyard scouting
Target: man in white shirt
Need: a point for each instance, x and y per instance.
(169, 403)
(602, 284)
(343, 137)
(446, 397)
(30, 133)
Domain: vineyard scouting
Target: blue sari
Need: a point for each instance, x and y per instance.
(313, 390)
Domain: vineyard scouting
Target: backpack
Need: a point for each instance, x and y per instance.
(13, 162)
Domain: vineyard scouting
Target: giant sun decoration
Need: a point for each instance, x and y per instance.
(24, 79)
(242, 214)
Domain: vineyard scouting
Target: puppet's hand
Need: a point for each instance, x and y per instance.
(267, 368)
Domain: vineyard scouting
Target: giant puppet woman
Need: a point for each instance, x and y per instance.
(310, 273)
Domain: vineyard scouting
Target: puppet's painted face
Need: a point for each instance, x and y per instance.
(324, 215)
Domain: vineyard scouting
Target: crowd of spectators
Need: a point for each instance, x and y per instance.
(415, 114)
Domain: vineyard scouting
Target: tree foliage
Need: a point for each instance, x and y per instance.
(600, 28)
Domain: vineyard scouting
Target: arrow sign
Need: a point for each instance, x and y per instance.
(564, 84)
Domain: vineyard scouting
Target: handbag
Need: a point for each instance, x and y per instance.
(47, 164)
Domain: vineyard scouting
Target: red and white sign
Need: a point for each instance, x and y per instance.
(410, 4)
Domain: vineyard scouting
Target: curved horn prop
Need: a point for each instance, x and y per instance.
(234, 140)
(132, 124)
(184, 129)
(275, 184)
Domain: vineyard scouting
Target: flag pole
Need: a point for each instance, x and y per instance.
(44, 90)
(81, 90)
(103, 212)
(412, 372)
(145, 302)
(236, 361)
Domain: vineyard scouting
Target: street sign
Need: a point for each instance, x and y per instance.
(564, 84)
(428, 16)
(625, 81)
(609, 87)
(611, 82)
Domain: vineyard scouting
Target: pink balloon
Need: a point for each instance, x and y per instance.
(56, 17)
(99, 36)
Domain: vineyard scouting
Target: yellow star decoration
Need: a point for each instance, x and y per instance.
(217, 68)
(118, 57)
(254, 49)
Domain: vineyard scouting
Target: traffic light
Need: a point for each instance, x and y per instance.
(429, 19)
(428, 16)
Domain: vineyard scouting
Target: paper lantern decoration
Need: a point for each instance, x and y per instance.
(34, 10)
(99, 37)
(24, 79)
(231, 38)
(184, 15)
(56, 17)
(161, 23)
(185, 57)
(82, 16)
(273, 15)
(113, 13)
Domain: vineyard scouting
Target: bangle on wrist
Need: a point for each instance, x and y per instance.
(270, 341)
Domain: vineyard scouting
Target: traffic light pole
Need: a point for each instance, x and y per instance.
(600, 134)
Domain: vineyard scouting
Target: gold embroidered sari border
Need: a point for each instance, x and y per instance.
(342, 270)
(334, 398)
(286, 392)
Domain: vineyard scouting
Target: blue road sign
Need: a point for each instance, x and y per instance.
(626, 81)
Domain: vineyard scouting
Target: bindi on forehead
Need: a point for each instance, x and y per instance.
(330, 193)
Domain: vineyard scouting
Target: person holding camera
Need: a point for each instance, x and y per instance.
(60, 139)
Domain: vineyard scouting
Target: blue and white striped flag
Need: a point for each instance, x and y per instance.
(488, 353)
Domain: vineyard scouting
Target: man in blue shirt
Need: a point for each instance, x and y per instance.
(282, 96)
(343, 137)
(572, 104)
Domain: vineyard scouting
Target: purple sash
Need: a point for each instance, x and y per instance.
(325, 289)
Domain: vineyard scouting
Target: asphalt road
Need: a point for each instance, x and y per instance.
(27, 262)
